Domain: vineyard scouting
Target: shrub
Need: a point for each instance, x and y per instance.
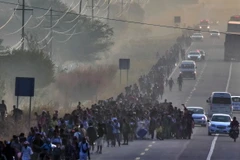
(28, 64)
(82, 84)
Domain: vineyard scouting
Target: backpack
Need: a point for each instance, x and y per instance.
(84, 150)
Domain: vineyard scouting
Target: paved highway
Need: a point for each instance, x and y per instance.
(213, 75)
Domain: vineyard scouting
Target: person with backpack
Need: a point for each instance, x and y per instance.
(92, 135)
(84, 147)
(100, 132)
(78, 135)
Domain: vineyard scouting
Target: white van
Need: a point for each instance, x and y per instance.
(220, 102)
(188, 69)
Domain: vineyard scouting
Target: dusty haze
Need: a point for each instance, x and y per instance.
(129, 40)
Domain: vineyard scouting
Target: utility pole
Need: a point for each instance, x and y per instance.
(51, 32)
(92, 9)
(122, 7)
(23, 22)
(80, 7)
(108, 11)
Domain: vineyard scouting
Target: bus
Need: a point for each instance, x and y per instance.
(232, 40)
(220, 102)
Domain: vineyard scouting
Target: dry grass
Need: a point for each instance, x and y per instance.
(80, 84)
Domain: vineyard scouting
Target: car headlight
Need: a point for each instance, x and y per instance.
(200, 27)
(219, 34)
(208, 27)
(203, 118)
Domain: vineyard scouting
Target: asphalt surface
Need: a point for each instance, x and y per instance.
(212, 75)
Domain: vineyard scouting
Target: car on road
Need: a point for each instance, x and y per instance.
(219, 124)
(215, 34)
(236, 103)
(188, 69)
(194, 55)
(198, 115)
(197, 37)
(214, 22)
(203, 54)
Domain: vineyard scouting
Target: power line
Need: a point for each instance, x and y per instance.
(119, 20)
(11, 17)
(36, 26)
(51, 31)
(23, 21)
(44, 14)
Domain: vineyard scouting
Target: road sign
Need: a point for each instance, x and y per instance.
(24, 86)
(177, 19)
(124, 64)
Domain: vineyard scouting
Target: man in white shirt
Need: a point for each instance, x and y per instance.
(26, 151)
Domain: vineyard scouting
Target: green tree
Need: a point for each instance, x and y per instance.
(3, 50)
(89, 39)
(95, 38)
(32, 41)
(1, 46)
(28, 64)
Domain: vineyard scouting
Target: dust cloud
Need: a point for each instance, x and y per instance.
(142, 42)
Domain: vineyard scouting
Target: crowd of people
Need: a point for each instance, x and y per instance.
(135, 114)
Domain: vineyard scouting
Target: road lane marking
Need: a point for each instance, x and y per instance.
(216, 137)
(138, 158)
(185, 146)
(197, 82)
(145, 150)
(229, 77)
(212, 147)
